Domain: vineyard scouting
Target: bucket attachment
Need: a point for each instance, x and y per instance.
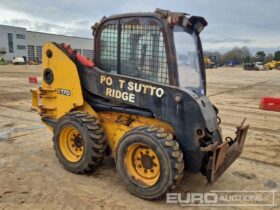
(225, 154)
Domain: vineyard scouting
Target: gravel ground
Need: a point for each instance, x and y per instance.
(32, 178)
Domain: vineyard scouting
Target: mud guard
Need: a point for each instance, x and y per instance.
(225, 154)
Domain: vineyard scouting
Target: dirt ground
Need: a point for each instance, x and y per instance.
(32, 178)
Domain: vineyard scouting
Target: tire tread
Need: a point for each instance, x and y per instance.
(98, 142)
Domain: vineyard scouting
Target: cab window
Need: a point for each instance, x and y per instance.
(141, 48)
(108, 49)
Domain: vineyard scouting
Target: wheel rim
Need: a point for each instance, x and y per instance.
(71, 144)
(142, 165)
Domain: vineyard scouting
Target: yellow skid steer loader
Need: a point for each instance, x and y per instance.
(143, 101)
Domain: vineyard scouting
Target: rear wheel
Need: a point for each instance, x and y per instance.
(149, 162)
(79, 142)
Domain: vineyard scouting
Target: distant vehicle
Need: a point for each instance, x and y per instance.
(259, 66)
(232, 63)
(210, 62)
(253, 66)
(207, 61)
(272, 65)
(18, 60)
(249, 66)
(212, 65)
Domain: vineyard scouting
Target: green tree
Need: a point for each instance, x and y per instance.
(247, 59)
(260, 56)
(277, 56)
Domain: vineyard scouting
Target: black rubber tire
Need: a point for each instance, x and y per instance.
(94, 141)
(169, 154)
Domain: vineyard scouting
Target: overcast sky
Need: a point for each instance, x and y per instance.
(254, 23)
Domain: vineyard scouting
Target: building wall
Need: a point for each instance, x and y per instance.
(36, 40)
(29, 43)
(19, 41)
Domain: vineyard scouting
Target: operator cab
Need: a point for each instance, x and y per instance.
(162, 47)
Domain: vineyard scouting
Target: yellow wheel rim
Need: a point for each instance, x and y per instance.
(71, 144)
(142, 164)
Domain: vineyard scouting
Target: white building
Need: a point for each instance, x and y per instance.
(18, 42)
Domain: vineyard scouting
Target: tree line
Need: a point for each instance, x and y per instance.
(243, 55)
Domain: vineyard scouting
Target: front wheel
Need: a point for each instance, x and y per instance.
(149, 162)
(79, 142)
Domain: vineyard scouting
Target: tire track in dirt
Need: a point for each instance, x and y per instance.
(11, 107)
(20, 118)
(239, 89)
(258, 129)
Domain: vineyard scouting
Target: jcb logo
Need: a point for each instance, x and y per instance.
(64, 92)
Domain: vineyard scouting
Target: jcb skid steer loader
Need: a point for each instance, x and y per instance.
(143, 101)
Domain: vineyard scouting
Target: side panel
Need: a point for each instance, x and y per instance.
(64, 92)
